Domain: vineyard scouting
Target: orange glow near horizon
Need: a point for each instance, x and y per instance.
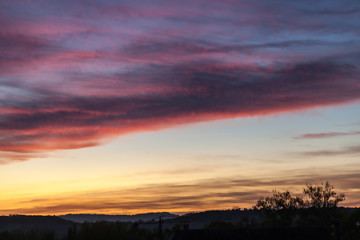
(175, 187)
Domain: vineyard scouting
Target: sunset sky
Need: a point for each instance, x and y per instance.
(125, 107)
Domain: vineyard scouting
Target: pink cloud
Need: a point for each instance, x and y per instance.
(95, 71)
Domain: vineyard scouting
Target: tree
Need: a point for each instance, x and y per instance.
(318, 206)
(279, 201)
(280, 209)
(322, 196)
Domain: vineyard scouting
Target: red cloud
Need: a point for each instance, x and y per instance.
(197, 92)
(100, 70)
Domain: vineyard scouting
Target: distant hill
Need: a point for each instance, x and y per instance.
(37, 223)
(220, 215)
(114, 218)
(198, 220)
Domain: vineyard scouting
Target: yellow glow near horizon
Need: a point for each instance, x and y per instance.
(223, 166)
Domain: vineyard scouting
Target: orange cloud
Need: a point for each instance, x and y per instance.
(206, 194)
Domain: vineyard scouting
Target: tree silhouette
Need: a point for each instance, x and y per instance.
(319, 196)
(280, 208)
(318, 206)
(322, 196)
(280, 201)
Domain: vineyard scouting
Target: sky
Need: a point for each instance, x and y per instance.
(125, 107)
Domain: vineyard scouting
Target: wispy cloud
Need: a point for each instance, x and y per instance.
(353, 150)
(188, 196)
(327, 135)
(337, 12)
(10, 157)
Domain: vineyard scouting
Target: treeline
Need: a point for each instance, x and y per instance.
(27, 235)
(339, 223)
(90, 231)
(110, 231)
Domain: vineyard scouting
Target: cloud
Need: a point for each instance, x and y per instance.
(222, 193)
(99, 70)
(170, 47)
(336, 12)
(196, 92)
(20, 49)
(327, 135)
(353, 150)
(11, 157)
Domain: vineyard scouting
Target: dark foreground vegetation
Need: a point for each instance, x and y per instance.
(334, 223)
(280, 216)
